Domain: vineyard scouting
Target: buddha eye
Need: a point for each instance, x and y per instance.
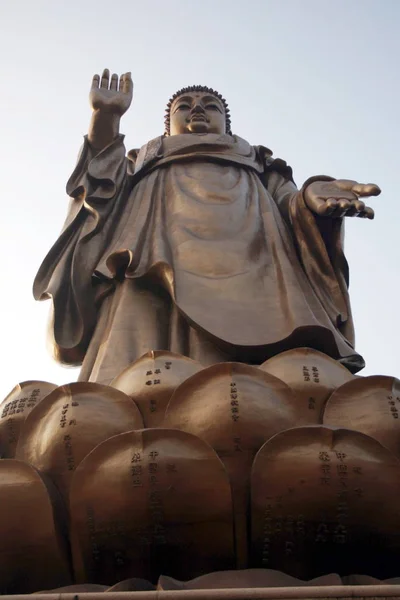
(183, 107)
(212, 107)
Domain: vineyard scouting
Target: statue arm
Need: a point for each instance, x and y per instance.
(325, 197)
(110, 98)
(96, 188)
(319, 244)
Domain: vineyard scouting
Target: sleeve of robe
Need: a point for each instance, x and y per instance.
(319, 244)
(96, 188)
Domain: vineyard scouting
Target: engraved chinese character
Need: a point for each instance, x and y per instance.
(289, 548)
(322, 533)
(324, 456)
(340, 534)
(340, 456)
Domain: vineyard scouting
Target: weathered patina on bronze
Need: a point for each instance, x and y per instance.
(198, 243)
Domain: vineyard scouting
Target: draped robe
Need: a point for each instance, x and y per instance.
(198, 244)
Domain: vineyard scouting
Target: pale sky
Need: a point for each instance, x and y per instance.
(317, 81)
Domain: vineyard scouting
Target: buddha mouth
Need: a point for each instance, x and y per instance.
(199, 118)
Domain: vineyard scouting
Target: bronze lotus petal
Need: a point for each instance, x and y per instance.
(32, 549)
(312, 375)
(134, 584)
(77, 588)
(69, 423)
(370, 405)
(325, 499)
(368, 580)
(235, 408)
(361, 580)
(246, 578)
(147, 501)
(15, 408)
(152, 379)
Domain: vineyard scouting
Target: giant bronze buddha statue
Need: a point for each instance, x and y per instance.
(198, 243)
(218, 436)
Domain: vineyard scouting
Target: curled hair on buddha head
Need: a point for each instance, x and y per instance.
(197, 88)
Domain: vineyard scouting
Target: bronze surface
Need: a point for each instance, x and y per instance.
(150, 501)
(32, 551)
(198, 249)
(312, 375)
(15, 408)
(77, 588)
(325, 499)
(198, 243)
(151, 381)
(69, 423)
(135, 584)
(361, 592)
(370, 405)
(235, 408)
(247, 578)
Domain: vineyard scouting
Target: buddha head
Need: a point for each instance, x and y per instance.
(197, 109)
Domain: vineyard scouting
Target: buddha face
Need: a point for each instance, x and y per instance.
(197, 112)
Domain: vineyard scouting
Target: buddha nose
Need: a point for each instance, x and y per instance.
(197, 108)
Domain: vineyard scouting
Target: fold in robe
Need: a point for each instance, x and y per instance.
(198, 244)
